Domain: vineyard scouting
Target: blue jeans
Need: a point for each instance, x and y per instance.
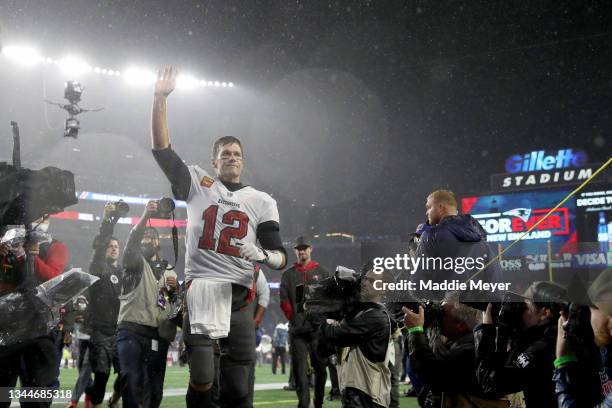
(142, 362)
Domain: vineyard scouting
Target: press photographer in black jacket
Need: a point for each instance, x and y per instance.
(363, 371)
(446, 367)
(104, 304)
(530, 339)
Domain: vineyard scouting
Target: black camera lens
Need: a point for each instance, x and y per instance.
(121, 208)
(165, 205)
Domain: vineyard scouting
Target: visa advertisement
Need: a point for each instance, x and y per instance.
(506, 217)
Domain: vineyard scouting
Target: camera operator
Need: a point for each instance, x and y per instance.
(35, 362)
(50, 258)
(363, 371)
(518, 354)
(103, 307)
(303, 343)
(447, 369)
(144, 331)
(572, 383)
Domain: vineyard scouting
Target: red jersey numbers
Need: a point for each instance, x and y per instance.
(207, 240)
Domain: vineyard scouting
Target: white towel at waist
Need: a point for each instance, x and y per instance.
(210, 307)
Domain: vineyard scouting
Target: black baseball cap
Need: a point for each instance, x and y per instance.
(301, 242)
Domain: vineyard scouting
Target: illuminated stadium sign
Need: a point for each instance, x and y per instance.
(511, 225)
(544, 169)
(538, 160)
(506, 217)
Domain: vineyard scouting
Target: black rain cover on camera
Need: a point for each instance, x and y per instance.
(26, 195)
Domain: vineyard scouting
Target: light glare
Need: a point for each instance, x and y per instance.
(139, 77)
(26, 56)
(74, 66)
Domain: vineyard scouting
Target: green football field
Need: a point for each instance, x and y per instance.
(176, 380)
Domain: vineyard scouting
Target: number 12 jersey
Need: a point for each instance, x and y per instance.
(218, 222)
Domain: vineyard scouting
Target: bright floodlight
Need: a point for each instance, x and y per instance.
(138, 76)
(27, 56)
(74, 66)
(185, 81)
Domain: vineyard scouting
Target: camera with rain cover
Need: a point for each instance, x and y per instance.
(29, 194)
(333, 297)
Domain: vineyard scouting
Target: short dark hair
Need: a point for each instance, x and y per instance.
(112, 239)
(544, 294)
(225, 140)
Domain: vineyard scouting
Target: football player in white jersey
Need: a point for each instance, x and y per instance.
(230, 227)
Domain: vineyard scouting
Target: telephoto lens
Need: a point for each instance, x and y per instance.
(165, 205)
(121, 208)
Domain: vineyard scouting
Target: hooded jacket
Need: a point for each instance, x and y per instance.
(456, 237)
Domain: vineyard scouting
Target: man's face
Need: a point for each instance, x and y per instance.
(112, 250)
(368, 293)
(228, 162)
(602, 327)
(303, 254)
(150, 240)
(434, 211)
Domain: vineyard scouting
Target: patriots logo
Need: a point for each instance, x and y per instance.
(522, 213)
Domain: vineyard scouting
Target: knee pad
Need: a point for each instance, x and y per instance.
(201, 364)
(233, 378)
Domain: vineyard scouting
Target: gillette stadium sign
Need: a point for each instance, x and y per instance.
(543, 168)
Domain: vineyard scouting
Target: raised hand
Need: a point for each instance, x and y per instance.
(166, 81)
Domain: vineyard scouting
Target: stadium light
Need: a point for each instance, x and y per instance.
(23, 55)
(74, 65)
(186, 81)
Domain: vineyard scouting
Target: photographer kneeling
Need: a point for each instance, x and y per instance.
(365, 379)
(517, 355)
(447, 369)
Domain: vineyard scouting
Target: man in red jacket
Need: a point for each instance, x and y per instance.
(36, 361)
(301, 333)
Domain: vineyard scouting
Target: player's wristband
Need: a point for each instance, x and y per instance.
(564, 360)
(416, 329)
(274, 259)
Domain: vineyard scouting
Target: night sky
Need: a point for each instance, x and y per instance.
(350, 112)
